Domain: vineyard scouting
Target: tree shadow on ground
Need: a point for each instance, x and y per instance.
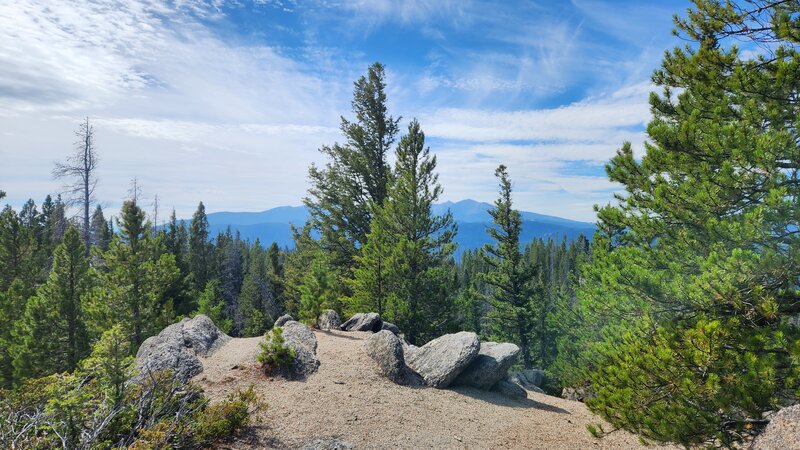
(496, 398)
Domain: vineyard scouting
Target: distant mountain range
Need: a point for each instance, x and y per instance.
(273, 225)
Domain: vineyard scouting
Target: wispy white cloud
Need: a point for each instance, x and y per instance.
(202, 114)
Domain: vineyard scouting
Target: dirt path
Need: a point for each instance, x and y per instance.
(348, 400)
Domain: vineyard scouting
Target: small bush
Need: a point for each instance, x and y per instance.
(275, 354)
(221, 420)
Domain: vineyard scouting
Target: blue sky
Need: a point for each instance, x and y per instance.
(228, 101)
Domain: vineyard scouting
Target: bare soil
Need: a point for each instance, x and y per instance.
(347, 399)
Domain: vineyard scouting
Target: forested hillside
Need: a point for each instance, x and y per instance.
(677, 320)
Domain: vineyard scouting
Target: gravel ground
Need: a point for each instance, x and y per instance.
(346, 399)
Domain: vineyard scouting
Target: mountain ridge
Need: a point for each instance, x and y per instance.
(472, 217)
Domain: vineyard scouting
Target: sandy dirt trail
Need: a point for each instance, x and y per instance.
(346, 399)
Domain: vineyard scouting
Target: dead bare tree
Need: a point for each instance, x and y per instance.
(79, 169)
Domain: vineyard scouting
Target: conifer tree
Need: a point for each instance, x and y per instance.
(52, 336)
(135, 281)
(201, 257)
(176, 240)
(18, 249)
(419, 245)
(257, 307)
(702, 253)
(212, 305)
(100, 230)
(317, 291)
(12, 308)
(510, 276)
(356, 176)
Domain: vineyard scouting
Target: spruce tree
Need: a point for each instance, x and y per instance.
(356, 176)
(693, 284)
(257, 306)
(201, 258)
(510, 276)
(52, 336)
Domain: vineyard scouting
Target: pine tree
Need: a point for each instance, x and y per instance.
(317, 291)
(135, 281)
(212, 305)
(510, 276)
(419, 245)
(356, 176)
(257, 307)
(693, 284)
(201, 264)
(296, 267)
(100, 230)
(12, 307)
(51, 336)
(176, 240)
(18, 250)
(372, 284)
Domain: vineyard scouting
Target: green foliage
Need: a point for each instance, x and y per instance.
(510, 276)
(356, 176)
(51, 336)
(686, 308)
(406, 268)
(257, 304)
(275, 354)
(101, 406)
(316, 292)
(134, 281)
(212, 305)
(201, 257)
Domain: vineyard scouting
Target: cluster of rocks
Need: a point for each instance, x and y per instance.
(452, 359)
(178, 346)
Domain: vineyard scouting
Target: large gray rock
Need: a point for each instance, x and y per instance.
(391, 327)
(282, 320)
(363, 322)
(490, 366)
(327, 444)
(178, 346)
(530, 379)
(302, 340)
(510, 389)
(441, 360)
(782, 432)
(385, 349)
(329, 320)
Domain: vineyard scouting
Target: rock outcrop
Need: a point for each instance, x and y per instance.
(329, 320)
(388, 326)
(490, 366)
(363, 322)
(530, 379)
(509, 389)
(782, 431)
(304, 343)
(441, 360)
(178, 346)
(385, 349)
(282, 320)
(576, 394)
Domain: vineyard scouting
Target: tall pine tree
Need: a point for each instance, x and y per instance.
(510, 275)
(52, 335)
(356, 176)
